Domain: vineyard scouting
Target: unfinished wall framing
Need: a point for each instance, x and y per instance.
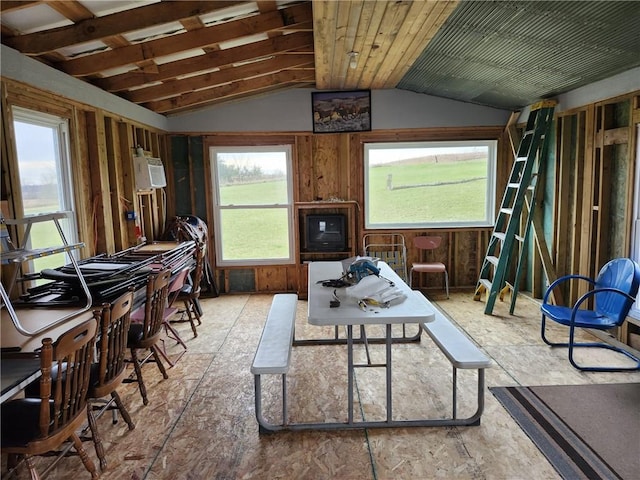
(101, 148)
(594, 188)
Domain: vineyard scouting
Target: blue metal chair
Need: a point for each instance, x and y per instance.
(614, 292)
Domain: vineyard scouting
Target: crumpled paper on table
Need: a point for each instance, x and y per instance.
(377, 291)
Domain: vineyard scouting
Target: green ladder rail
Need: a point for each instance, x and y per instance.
(520, 188)
(533, 231)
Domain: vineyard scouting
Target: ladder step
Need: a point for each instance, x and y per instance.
(513, 185)
(493, 260)
(519, 238)
(506, 289)
(507, 211)
(499, 235)
(486, 283)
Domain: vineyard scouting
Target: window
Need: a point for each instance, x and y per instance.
(253, 204)
(635, 238)
(45, 178)
(430, 184)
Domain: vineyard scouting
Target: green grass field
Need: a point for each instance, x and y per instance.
(248, 236)
(415, 198)
(260, 193)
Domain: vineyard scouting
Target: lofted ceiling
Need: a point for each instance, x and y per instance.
(177, 56)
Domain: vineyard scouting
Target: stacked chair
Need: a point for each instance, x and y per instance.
(176, 286)
(33, 426)
(146, 334)
(110, 370)
(190, 293)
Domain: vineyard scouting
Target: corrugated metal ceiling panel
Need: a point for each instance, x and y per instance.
(513, 53)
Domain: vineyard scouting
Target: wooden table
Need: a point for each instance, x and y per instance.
(23, 367)
(34, 319)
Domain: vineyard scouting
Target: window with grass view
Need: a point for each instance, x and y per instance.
(429, 184)
(46, 186)
(253, 204)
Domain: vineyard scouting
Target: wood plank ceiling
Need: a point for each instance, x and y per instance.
(176, 56)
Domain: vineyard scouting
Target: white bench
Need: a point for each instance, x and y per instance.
(273, 355)
(461, 352)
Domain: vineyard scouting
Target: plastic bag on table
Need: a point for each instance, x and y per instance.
(376, 291)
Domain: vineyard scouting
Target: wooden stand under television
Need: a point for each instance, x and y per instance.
(301, 209)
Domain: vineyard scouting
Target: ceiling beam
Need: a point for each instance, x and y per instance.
(186, 41)
(91, 29)
(230, 90)
(74, 11)
(211, 79)
(295, 42)
(242, 95)
(11, 5)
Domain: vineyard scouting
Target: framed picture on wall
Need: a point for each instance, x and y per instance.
(335, 112)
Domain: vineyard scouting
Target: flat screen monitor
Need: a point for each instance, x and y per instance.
(325, 233)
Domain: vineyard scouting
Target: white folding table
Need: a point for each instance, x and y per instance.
(410, 311)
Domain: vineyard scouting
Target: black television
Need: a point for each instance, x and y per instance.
(325, 233)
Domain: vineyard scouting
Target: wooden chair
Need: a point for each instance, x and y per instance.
(175, 287)
(613, 293)
(146, 334)
(110, 370)
(429, 243)
(35, 426)
(191, 293)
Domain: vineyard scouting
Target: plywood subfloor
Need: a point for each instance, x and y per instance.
(200, 422)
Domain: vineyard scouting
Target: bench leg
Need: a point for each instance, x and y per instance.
(455, 392)
(263, 425)
(475, 418)
(480, 395)
(284, 399)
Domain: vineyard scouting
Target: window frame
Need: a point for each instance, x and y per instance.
(218, 208)
(635, 234)
(490, 206)
(66, 190)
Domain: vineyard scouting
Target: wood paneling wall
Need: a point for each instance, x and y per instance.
(330, 167)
